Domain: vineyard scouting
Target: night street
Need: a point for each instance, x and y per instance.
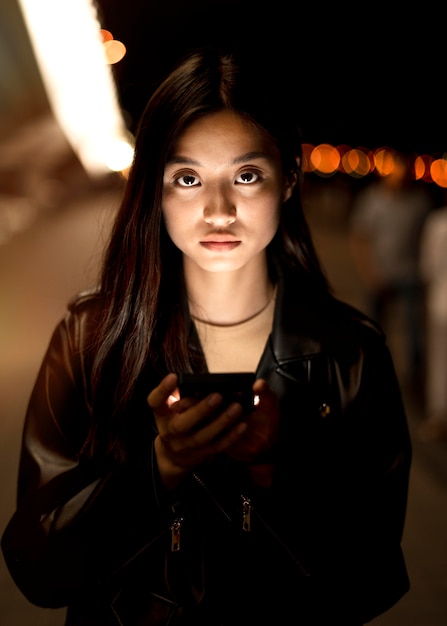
(54, 252)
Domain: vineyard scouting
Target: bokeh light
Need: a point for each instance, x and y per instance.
(106, 35)
(324, 159)
(69, 47)
(358, 162)
(438, 172)
(115, 50)
(74, 53)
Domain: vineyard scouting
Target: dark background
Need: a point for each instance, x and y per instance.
(365, 75)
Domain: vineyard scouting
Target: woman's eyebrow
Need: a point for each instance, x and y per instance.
(249, 156)
(177, 159)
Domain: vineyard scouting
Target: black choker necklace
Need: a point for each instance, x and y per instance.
(247, 319)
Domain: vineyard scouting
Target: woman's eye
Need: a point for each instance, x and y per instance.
(247, 177)
(187, 180)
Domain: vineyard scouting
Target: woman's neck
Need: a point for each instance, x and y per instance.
(227, 298)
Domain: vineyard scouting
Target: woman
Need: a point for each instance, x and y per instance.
(137, 507)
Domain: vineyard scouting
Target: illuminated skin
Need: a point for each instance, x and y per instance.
(223, 189)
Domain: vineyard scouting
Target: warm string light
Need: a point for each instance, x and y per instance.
(326, 160)
(82, 93)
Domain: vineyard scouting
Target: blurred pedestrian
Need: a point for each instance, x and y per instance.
(433, 265)
(385, 226)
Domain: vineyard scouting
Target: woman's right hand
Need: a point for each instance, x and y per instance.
(190, 431)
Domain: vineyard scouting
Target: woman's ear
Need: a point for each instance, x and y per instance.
(291, 181)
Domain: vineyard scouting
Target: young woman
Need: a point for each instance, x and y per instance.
(136, 506)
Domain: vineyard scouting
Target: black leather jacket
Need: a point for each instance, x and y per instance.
(321, 546)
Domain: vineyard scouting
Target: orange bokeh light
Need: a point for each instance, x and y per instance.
(419, 168)
(106, 35)
(115, 51)
(384, 161)
(358, 162)
(306, 149)
(438, 171)
(325, 159)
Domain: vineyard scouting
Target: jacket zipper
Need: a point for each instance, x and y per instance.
(247, 510)
(246, 513)
(175, 529)
(176, 526)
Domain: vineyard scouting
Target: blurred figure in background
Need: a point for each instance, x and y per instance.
(385, 226)
(433, 267)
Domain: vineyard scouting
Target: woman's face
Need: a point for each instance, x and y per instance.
(223, 188)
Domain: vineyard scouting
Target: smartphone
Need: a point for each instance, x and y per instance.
(234, 387)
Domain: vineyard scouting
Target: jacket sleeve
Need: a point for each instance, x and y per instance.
(342, 473)
(373, 454)
(76, 521)
(377, 452)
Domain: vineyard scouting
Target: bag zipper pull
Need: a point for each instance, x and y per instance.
(246, 514)
(175, 534)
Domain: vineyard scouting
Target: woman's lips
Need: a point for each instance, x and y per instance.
(220, 246)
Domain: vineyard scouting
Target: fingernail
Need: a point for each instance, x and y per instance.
(234, 410)
(214, 399)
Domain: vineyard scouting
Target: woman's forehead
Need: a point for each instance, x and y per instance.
(228, 129)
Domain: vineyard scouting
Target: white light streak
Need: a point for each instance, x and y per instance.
(66, 39)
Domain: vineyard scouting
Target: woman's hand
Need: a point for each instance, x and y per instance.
(255, 446)
(190, 431)
(262, 426)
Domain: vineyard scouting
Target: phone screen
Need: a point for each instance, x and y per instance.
(234, 386)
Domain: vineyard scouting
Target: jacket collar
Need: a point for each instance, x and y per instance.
(301, 321)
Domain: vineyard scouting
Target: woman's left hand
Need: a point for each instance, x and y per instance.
(262, 426)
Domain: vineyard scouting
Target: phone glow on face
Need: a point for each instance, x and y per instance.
(223, 189)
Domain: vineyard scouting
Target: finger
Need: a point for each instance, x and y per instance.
(265, 393)
(221, 433)
(195, 412)
(158, 397)
(184, 404)
(230, 438)
(221, 422)
(260, 387)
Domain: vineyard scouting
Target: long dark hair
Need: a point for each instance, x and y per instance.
(145, 322)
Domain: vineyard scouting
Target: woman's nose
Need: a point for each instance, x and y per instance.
(219, 209)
